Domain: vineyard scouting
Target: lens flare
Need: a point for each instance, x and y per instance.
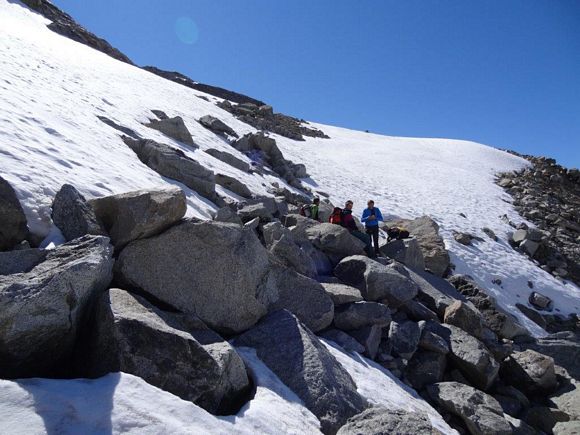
(186, 30)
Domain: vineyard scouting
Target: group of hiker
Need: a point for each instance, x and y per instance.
(371, 217)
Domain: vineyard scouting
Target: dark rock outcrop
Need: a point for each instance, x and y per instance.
(174, 127)
(73, 215)
(13, 228)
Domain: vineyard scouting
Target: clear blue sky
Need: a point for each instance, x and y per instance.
(500, 72)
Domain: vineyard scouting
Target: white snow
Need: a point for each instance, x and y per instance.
(123, 403)
(381, 388)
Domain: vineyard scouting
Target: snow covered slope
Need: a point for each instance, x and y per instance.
(52, 89)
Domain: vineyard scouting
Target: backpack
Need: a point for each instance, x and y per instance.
(396, 233)
(336, 216)
(305, 210)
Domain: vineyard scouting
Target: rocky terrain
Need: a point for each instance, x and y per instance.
(257, 306)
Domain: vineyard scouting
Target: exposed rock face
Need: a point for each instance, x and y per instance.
(342, 294)
(377, 281)
(217, 126)
(334, 240)
(426, 231)
(425, 368)
(383, 421)
(174, 127)
(465, 317)
(234, 185)
(481, 413)
(133, 336)
(530, 371)
(73, 215)
(41, 311)
(173, 163)
(404, 338)
(227, 214)
(297, 357)
(360, 314)
(13, 228)
(406, 251)
(21, 260)
(229, 159)
(195, 280)
(140, 214)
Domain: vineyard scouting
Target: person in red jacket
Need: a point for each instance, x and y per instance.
(347, 221)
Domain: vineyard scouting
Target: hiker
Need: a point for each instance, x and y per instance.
(311, 210)
(371, 217)
(344, 218)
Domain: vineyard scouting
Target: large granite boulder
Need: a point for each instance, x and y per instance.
(426, 231)
(173, 163)
(342, 294)
(387, 421)
(377, 281)
(230, 159)
(425, 368)
(174, 127)
(480, 412)
(304, 364)
(217, 126)
(21, 260)
(406, 251)
(41, 311)
(13, 228)
(530, 371)
(334, 240)
(175, 352)
(357, 315)
(466, 317)
(139, 214)
(234, 185)
(73, 215)
(404, 338)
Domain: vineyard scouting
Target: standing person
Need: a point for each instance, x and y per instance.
(312, 210)
(349, 223)
(371, 217)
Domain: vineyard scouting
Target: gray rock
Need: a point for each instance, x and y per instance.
(377, 281)
(544, 418)
(370, 338)
(342, 294)
(234, 185)
(480, 412)
(404, 338)
(230, 159)
(304, 364)
(425, 368)
(541, 302)
(417, 311)
(529, 247)
(466, 317)
(253, 224)
(567, 427)
(73, 215)
(387, 421)
(20, 261)
(463, 238)
(407, 251)
(226, 214)
(217, 125)
(519, 236)
(490, 233)
(174, 128)
(530, 371)
(195, 280)
(41, 311)
(293, 256)
(434, 292)
(259, 210)
(173, 163)
(426, 231)
(140, 214)
(344, 340)
(334, 239)
(432, 342)
(357, 315)
(13, 228)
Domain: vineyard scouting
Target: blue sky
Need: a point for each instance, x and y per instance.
(501, 72)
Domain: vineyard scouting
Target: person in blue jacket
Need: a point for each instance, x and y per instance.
(371, 217)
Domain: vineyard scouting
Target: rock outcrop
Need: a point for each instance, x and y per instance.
(230, 159)
(217, 126)
(380, 420)
(13, 228)
(73, 215)
(174, 128)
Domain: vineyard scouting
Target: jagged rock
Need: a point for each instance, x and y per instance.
(347, 342)
(342, 294)
(173, 163)
(251, 211)
(519, 236)
(370, 338)
(417, 311)
(21, 260)
(139, 214)
(529, 247)
(490, 233)
(425, 368)
(386, 421)
(226, 214)
(567, 427)
(229, 159)
(540, 301)
(404, 338)
(41, 311)
(233, 184)
(432, 342)
(133, 336)
(376, 281)
(426, 231)
(530, 371)
(357, 315)
(406, 251)
(195, 280)
(304, 364)
(217, 125)
(334, 240)
(480, 412)
(465, 317)
(174, 128)
(463, 238)
(73, 215)
(434, 292)
(253, 224)
(13, 228)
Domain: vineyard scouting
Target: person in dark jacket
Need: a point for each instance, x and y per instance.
(349, 223)
(371, 217)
